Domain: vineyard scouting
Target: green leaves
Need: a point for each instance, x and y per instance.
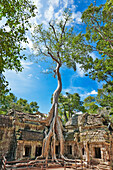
(12, 34)
(99, 38)
(60, 42)
(69, 104)
(99, 30)
(90, 104)
(105, 95)
(11, 102)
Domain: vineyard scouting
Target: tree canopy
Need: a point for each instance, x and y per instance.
(15, 16)
(22, 105)
(99, 37)
(69, 104)
(59, 42)
(90, 104)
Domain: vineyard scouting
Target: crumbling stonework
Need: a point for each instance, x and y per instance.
(88, 137)
(94, 137)
(7, 138)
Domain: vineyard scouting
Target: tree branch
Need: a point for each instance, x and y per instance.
(64, 27)
(53, 31)
(103, 36)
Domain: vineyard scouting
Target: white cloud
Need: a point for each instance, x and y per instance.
(38, 4)
(49, 13)
(65, 2)
(45, 71)
(2, 24)
(93, 55)
(73, 89)
(86, 94)
(72, 1)
(77, 16)
(79, 71)
(30, 43)
(37, 78)
(3, 21)
(54, 2)
(30, 75)
(66, 90)
(27, 45)
(93, 92)
(26, 64)
(7, 28)
(58, 14)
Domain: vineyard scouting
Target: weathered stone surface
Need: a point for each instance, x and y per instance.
(94, 120)
(31, 135)
(89, 137)
(5, 121)
(69, 136)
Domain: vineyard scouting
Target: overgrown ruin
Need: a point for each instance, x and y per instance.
(87, 137)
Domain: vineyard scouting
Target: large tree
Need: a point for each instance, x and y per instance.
(99, 38)
(58, 43)
(15, 15)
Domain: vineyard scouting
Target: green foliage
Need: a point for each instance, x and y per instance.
(16, 15)
(99, 30)
(90, 104)
(59, 42)
(105, 96)
(68, 105)
(22, 105)
(99, 38)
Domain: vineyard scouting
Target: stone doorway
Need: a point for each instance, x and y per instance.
(98, 153)
(57, 149)
(38, 151)
(27, 151)
(69, 149)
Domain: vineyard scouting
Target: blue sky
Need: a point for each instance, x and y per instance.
(33, 83)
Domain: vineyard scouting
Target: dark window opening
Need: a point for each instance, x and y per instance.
(69, 149)
(1, 135)
(27, 127)
(57, 149)
(38, 151)
(82, 151)
(97, 153)
(27, 151)
(78, 139)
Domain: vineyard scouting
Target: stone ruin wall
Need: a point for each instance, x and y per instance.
(7, 138)
(81, 139)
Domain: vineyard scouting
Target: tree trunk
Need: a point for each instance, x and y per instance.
(66, 118)
(54, 123)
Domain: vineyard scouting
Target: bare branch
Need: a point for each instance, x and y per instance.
(43, 52)
(53, 31)
(54, 58)
(63, 32)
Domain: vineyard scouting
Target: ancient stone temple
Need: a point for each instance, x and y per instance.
(88, 137)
